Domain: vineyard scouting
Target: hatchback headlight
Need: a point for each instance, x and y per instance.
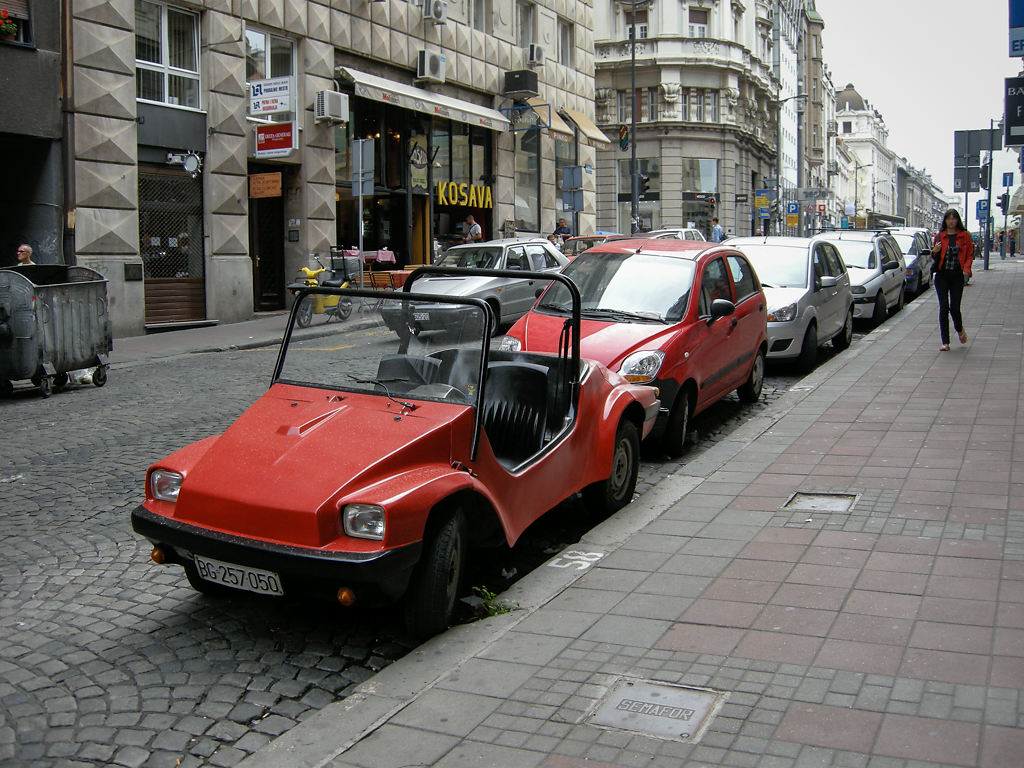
(509, 344)
(363, 521)
(642, 367)
(164, 484)
(782, 315)
(857, 289)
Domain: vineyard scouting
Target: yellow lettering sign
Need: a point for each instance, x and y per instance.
(473, 202)
(453, 193)
(441, 199)
(488, 203)
(463, 197)
(469, 195)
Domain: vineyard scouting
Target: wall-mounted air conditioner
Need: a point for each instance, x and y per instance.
(435, 11)
(430, 67)
(331, 107)
(535, 55)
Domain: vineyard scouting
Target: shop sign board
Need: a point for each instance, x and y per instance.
(418, 161)
(275, 140)
(1013, 110)
(1016, 28)
(270, 96)
(763, 198)
(265, 185)
(466, 195)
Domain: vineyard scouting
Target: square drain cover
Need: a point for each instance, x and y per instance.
(658, 709)
(821, 502)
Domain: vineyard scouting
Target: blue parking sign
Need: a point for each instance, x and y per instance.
(793, 207)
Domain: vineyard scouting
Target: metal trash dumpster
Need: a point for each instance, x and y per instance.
(53, 319)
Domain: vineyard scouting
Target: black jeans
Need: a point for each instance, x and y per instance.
(950, 288)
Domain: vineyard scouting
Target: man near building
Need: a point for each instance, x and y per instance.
(25, 254)
(561, 230)
(474, 232)
(717, 233)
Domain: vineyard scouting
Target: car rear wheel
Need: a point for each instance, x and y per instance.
(808, 350)
(750, 391)
(899, 302)
(674, 440)
(842, 339)
(616, 491)
(435, 584)
(878, 316)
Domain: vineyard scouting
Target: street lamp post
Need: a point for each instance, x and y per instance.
(634, 172)
(778, 152)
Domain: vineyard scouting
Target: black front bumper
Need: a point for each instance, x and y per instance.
(386, 573)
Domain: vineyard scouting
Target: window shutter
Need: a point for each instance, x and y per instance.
(16, 9)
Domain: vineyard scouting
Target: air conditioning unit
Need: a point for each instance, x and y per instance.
(435, 11)
(535, 55)
(520, 84)
(331, 107)
(430, 67)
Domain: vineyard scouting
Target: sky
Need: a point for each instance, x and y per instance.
(930, 67)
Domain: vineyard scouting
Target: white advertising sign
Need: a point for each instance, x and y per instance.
(267, 97)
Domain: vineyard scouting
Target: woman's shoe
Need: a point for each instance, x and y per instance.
(944, 348)
(963, 337)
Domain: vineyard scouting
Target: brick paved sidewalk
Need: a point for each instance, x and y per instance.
(878, 621)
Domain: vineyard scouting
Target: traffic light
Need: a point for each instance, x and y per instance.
(1003, 202)
(645, 183)
(985, 175)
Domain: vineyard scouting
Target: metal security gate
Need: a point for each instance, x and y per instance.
(171, 245)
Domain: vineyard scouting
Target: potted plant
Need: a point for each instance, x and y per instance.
(8, 26)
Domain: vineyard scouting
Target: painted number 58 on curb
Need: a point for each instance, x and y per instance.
(578, 560)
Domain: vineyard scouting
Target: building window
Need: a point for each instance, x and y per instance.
(480, 15)
(698, 22)
(684, 104)
(641, 24)
(847, 126)
(652, 104)
(17, 13)
(649, 194)
(566, 43)
(267, 55)
(527, 189)
(625, 107)
(527, 31)
(166, 55)
(698, 107)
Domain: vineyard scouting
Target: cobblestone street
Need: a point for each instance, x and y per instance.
(106, 658)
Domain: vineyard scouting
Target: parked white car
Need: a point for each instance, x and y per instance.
(808, 292)
(877, 271)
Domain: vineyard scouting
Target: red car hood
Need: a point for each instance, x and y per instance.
(608, 343)
(298, 451)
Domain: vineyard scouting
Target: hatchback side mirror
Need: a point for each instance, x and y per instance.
(826, 282)
(721, 308)
(886, 266)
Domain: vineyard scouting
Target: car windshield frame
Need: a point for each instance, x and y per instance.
(766, 255)
(472, 256)
(596, 273)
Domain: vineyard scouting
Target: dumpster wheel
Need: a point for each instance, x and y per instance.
(45, 385)
(60, 380)
(99, 376)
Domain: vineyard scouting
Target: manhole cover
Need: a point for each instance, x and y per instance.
(821, 502)
(658, 709)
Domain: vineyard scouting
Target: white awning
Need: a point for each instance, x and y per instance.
(588, 128)
(410, 97)
(549, 118)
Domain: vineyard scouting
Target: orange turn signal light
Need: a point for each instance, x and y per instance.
(158, 556)
(346, 596)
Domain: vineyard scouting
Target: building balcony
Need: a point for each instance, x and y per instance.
(683, 51)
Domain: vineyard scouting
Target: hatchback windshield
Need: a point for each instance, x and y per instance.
(630, 286)
(858, 254)
(480, 258)
(778, 267)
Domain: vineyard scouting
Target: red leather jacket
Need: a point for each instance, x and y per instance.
(963, 238)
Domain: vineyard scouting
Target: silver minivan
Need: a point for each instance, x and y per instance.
(877, 271)
(808, 293)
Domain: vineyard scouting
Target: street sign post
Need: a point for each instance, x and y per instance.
(1008, 179)
(792, 214)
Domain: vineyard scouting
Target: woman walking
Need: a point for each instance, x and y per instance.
(952, 255)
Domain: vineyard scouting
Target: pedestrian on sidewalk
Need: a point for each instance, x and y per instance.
(952, 254)
(717, 233)
(25, 254)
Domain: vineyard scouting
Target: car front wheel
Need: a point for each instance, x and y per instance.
(878, 316)
(616, 491)
(842, 339)
(808, 350)
(674, 440)
(750, 392)
(435, 585)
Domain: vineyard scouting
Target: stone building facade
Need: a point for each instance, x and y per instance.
(192, 221)
(706, 101)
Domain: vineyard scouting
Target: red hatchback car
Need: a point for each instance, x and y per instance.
(685, 316)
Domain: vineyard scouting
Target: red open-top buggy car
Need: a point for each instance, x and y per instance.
(428, 443)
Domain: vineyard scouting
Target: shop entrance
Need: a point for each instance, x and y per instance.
(266, 239)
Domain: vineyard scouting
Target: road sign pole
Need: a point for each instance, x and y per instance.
(988, 219)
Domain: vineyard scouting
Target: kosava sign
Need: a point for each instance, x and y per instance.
(469, 195)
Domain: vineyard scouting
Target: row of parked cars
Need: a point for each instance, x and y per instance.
(435, 436)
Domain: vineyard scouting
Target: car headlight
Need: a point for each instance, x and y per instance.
(641, 367)
(857, 289)
(509, 344)
(363, 521)
(165, 484)
(783, 314)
